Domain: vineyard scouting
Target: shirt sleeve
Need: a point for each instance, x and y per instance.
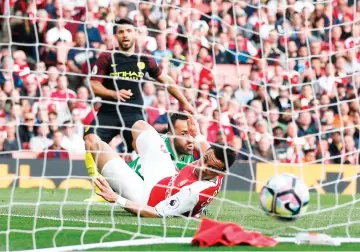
(154, 69)
(100, 67)
(182, 202)
(71, 54)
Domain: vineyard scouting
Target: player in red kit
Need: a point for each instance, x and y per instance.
(164, 192)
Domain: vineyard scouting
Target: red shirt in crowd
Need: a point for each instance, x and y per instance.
(214, 129)
(63, 95)
(54, 154)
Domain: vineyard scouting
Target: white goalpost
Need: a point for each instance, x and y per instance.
(277, 81)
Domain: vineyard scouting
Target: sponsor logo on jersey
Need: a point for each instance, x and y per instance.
(173, 203)
(128, 75)
(141, 65)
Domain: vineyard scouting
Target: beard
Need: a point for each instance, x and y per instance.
(181, 148)
(125, 46)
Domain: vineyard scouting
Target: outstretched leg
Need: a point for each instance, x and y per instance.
(100, 151)
(119, 175)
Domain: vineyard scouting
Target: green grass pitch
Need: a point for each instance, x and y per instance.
(63, 219)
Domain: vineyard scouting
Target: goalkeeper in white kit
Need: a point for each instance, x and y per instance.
(165, 191)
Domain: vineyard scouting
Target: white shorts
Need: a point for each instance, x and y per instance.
(123, 179)
(156, 164)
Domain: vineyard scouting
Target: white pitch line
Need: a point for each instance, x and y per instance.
(94, 221)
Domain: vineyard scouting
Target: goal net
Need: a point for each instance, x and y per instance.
(277, 81)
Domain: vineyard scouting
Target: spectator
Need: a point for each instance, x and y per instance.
(309, 154)
(162, 122)
(63, 95)
(161, 51)
(343, 117)
(53, 73)
(328, 81)
(80, 54)
(55, 151)
(21, 66)
(28, 130)
(45, 102)
(158, 107)
(336, 147)
(305, 124)
(56, 34)
(322, 151)
(82, 104)
(327, 122)
(146, 42)
(53, 123)
(93, 34)
(6, 73)
(203, 99)
(67, 14)
(41, 76)
(283, 101)
(351, 130)
(280, 144)
(349, 153)
(71, 141)
(244, 94)
(274, 117)
(148, 93)
(243, 50)
(31, 88)
(263, 149)
(251, 117)
(178, 59)
(40, 142)
(76, 121)
(11, 142)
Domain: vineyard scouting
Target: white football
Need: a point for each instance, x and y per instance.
(284, 196)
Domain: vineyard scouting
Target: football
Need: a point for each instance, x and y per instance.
(285, 197)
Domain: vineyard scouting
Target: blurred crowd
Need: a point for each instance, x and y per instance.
(298, 103)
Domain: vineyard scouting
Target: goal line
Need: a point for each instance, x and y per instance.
(157, 241)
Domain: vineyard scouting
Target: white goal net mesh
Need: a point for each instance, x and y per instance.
(277, 81)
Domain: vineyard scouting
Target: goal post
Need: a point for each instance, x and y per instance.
(277, 81)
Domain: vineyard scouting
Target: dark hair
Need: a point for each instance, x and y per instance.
(173, 118)
(277, 128)
(122, 21)
(220, 154)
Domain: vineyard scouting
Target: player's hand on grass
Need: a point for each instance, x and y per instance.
(193, 125)
(123, 95)
(105, 190)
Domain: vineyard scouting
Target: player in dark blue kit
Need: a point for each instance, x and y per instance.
(116, 77)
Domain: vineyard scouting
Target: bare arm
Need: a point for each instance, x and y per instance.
(74, 68)
(182, 202)
(99, 90)
(194, 130)
(174, 91)
(144, 211)
(132, 207)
